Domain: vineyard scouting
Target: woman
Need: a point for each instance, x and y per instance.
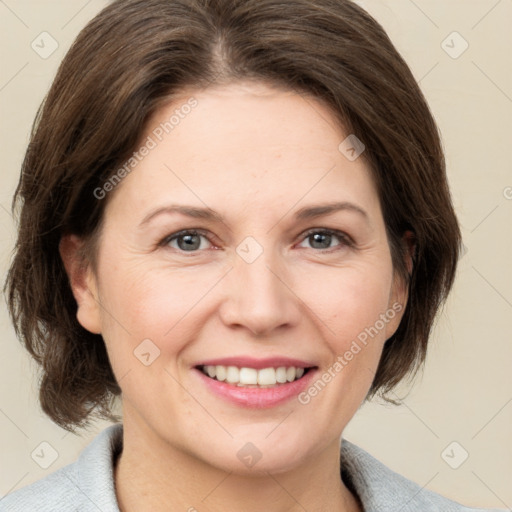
(235, 217)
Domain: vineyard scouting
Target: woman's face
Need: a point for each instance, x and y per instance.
(271, 273)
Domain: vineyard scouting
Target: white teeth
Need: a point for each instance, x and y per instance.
(266, 377)
(220, 373)
(250, 377)
(232, 374)
(281, 375)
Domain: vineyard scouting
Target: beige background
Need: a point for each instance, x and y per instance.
(465, 393)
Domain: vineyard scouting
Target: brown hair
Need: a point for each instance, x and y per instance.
(136, 55)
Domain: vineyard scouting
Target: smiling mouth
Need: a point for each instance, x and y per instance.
(252, 378)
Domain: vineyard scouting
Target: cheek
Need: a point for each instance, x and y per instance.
(148, 319)
(351, 308)
(346, 301)
(162, 305)
(354, 316)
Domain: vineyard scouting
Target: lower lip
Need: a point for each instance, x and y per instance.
(257, 398)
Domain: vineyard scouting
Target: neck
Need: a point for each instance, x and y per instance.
(153, 475)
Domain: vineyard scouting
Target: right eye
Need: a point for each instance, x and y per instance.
(188, 240)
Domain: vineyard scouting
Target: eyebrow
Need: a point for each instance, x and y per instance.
(306, 213)
(312, 212)
(188, 211)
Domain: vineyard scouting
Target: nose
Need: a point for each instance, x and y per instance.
(259, 298)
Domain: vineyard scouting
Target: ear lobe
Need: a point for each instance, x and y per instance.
(82, 282)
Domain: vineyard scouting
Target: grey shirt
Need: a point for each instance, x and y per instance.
(87, 485)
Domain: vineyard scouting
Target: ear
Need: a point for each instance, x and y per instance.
(400, 289)
(409, 241)
(82, 281)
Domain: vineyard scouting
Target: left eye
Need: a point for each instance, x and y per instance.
(321, 239)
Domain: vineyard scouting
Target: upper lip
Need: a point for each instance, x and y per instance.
(258, 364)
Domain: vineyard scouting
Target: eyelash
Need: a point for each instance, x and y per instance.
(345, 240)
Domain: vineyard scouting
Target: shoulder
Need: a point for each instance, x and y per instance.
(381, 489)
(85, 485)
(55, 492)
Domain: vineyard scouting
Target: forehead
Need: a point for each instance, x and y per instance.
(248, 143)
